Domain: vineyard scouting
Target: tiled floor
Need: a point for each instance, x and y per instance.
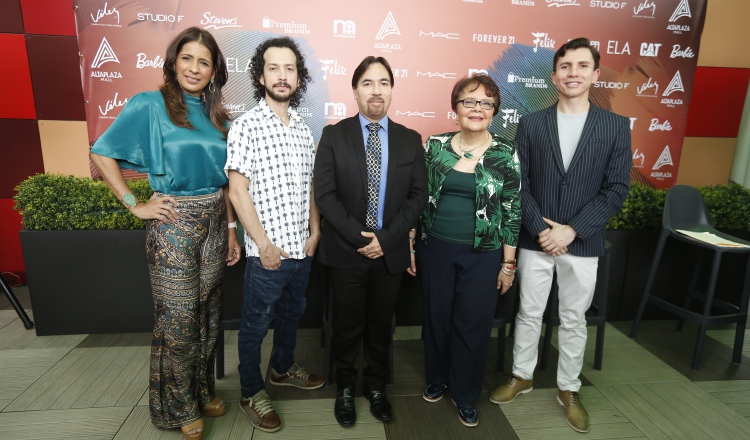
(94, 387)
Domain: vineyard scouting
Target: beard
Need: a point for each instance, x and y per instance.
(280, 97)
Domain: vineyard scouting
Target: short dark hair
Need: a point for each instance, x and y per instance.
(258, 64)
(472, 83)
(365, 64)
(577, 43)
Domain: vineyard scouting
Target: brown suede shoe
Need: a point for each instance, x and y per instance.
(575, 414)
(296, 377)
(260, 412)
(508, 391)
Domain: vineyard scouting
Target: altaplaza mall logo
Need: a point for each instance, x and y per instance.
(389, 27)
(682, 10)
(104, 55)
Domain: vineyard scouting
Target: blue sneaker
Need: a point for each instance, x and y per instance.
(435, 392)
(467, 414)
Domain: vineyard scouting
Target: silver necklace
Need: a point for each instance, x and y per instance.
(467, 152)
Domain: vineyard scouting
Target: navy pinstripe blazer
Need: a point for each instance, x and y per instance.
(585, 196)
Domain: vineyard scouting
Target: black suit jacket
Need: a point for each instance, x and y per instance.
(585, 196)
(340, 184)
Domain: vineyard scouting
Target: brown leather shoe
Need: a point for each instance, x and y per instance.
(260, 412)
(296, 377)
(508, 391)
(575, 414)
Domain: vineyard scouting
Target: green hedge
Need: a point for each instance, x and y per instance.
(57, 202)
(729, 206)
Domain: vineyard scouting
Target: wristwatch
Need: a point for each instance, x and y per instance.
(129, 200)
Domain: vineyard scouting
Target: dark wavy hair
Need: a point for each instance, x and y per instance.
(172, 92)
(258, 64)
(365, 64)
(472, 83)
(577, 43)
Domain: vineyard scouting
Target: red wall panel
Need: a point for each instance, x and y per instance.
(11, 20)
(17, 99)
(717, 102)
(50, 17)
(11, 257)
(56, 76)
(21, 153)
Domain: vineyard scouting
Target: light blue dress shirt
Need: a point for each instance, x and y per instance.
(383, 136)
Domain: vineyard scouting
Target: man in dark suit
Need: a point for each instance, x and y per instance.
(575, 167)
(370, 186)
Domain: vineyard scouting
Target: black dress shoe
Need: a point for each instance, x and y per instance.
(344, 409)
(380, 407)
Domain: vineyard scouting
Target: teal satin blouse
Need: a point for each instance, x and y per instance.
(179, 161)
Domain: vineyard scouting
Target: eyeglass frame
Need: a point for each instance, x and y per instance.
(463, 102)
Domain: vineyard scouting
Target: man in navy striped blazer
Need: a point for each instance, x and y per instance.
(575, 168)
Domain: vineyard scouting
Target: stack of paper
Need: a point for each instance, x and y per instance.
(713, 239)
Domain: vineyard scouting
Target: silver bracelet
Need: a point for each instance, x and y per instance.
(232, 225)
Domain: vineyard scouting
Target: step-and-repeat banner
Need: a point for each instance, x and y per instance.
(649, 51)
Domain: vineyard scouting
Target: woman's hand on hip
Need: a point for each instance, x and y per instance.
(157, 208)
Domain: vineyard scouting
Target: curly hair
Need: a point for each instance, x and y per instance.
(258, 64)
(172, 92)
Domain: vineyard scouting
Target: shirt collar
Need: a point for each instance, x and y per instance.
(364, 122)
(268, 113)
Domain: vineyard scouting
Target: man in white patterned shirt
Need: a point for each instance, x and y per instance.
(270, 156)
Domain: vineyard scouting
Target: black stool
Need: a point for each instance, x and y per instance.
(16, 305)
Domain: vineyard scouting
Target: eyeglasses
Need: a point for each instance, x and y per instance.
(471, 103)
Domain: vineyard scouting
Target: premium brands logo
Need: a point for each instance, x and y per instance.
(234, 108)
(473, 72)
(211, 21)
(561, 3)
(332, 67)
(344, 29)
(289, 27)
(607, 5)
(510, 115)
(650, 49)
(613, 48)
(235, 66)
(105, 12)
(143, 61)
(682, 10)
(541, 39)
(419, 114)
(638, 159)
(448, 36)
(665, 159)
(536, 83)
(656, 126)
(446, 75)
(104, 54)
(389, 27)
(160, 18)
(111, 105)
(335, 110)
(495, 39)
(611, 85)
(677, 52)
(522, 2)
(675, 85)
(644, 7)
(647, 86)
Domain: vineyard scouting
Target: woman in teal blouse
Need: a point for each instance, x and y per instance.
(178, 136)
(467, 246)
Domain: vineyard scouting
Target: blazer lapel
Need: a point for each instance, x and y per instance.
(392, 156)
(554, 136)
(355, 130)
(588, 129)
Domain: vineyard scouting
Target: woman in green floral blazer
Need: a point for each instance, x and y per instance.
(466, 250)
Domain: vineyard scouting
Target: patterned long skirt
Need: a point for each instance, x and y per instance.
(186, 262)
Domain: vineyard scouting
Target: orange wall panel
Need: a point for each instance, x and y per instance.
(17, 99)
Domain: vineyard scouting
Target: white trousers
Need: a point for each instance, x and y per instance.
(576, 280)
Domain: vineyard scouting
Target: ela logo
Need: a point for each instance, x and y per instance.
(105, 54)
(389, 27)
